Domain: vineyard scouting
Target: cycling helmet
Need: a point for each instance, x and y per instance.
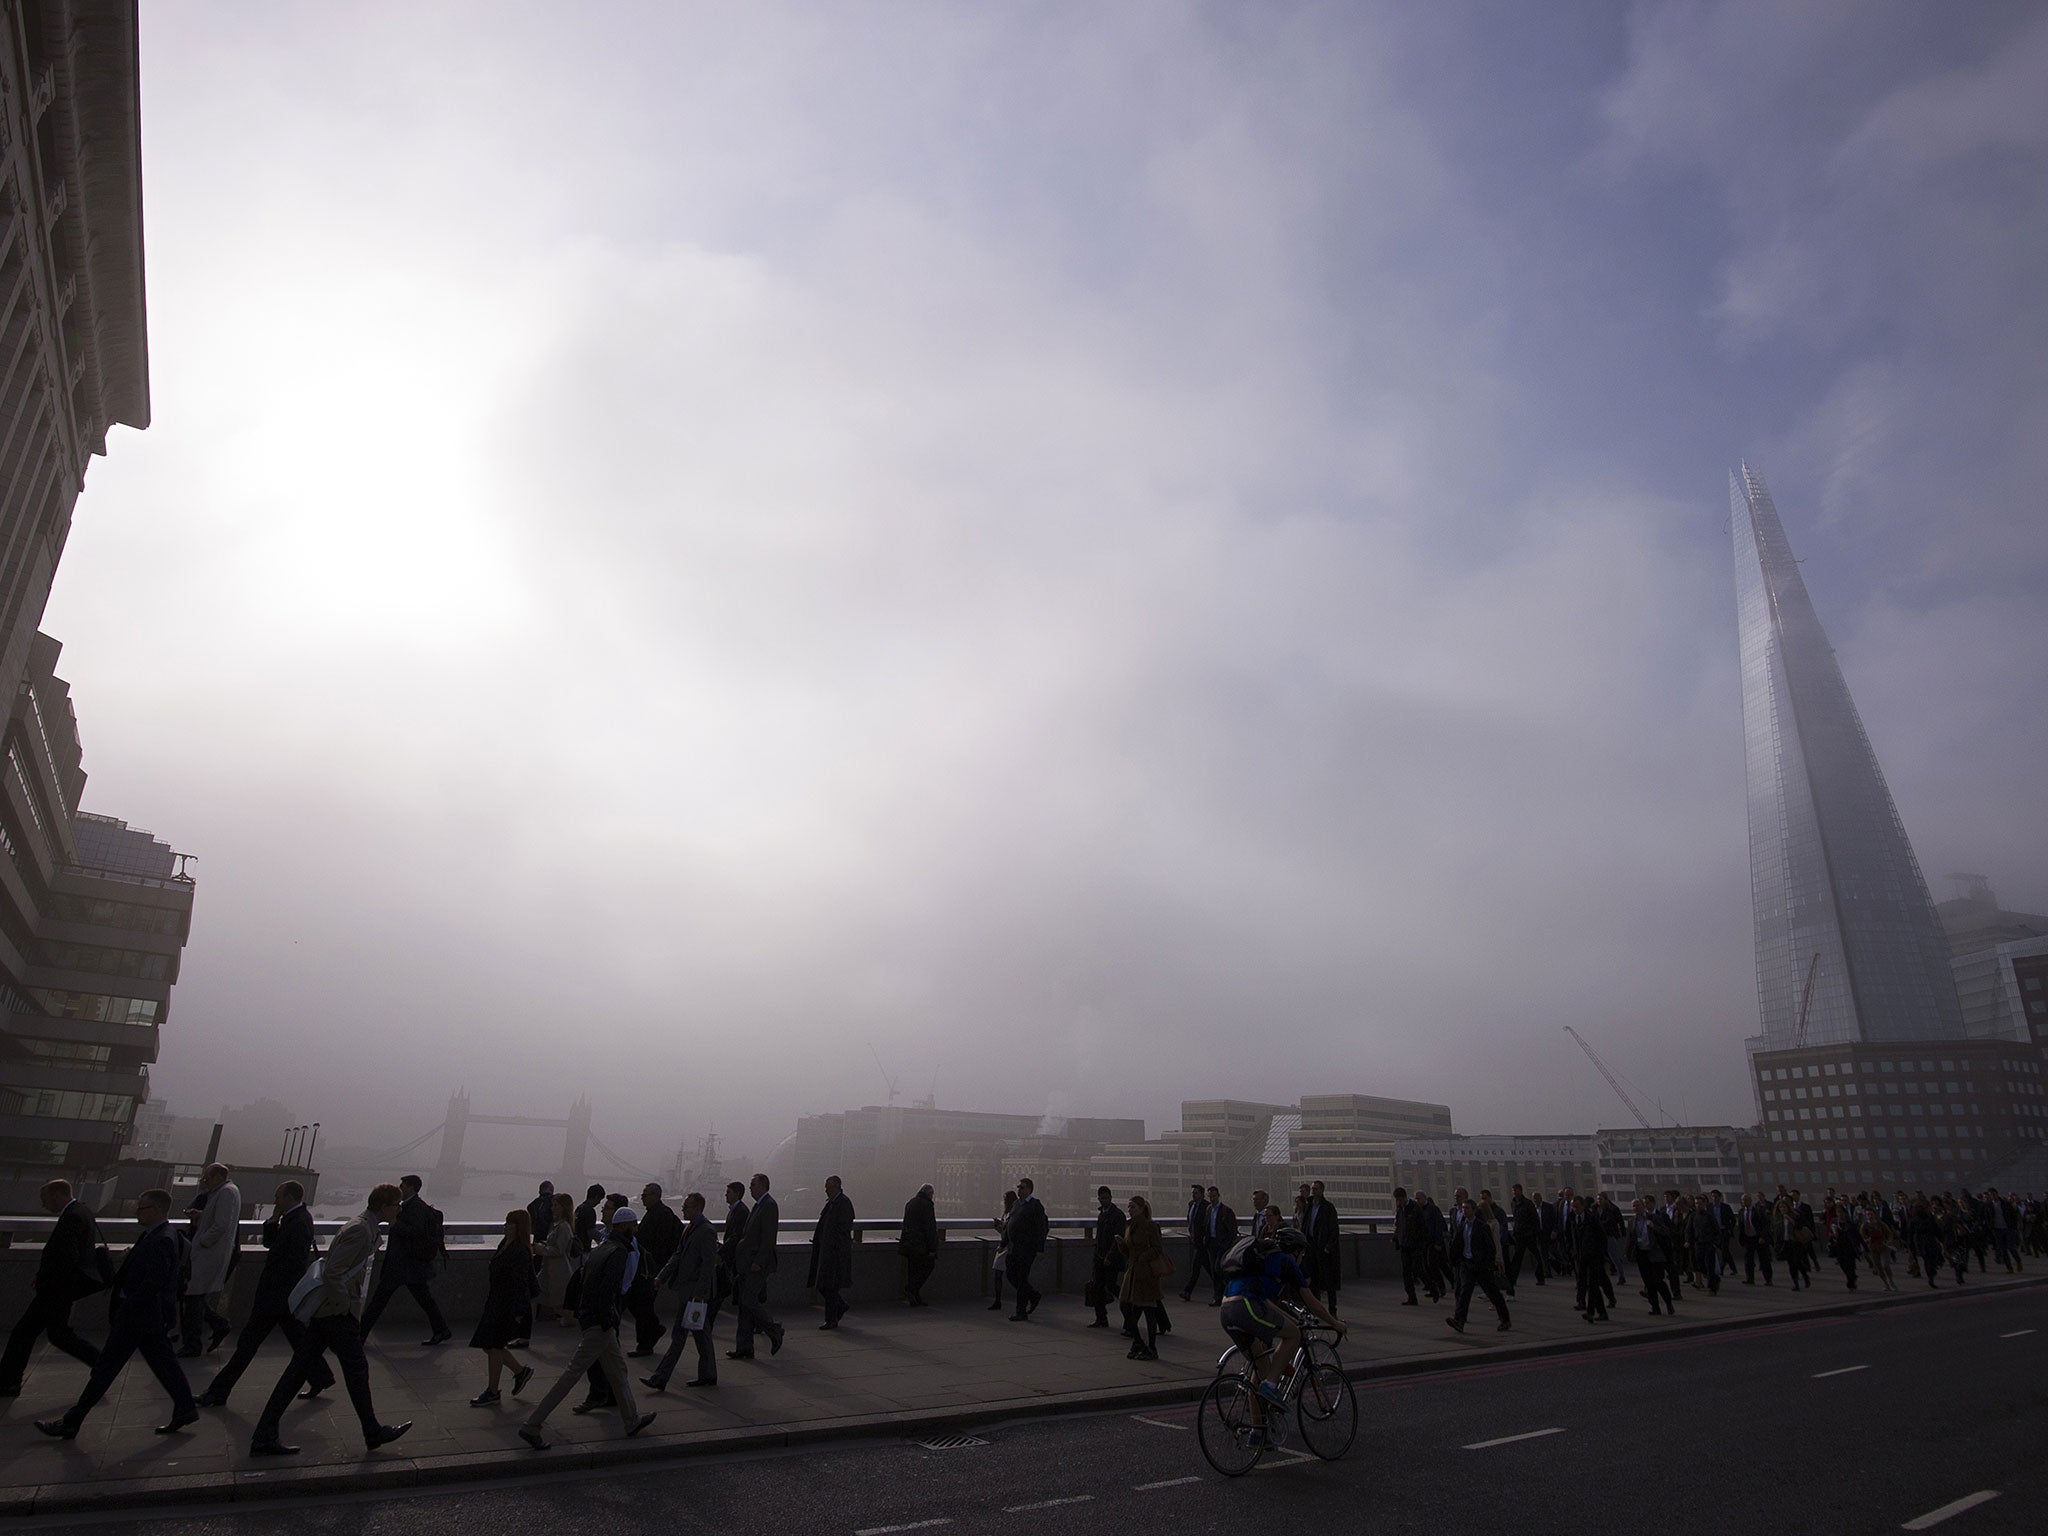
(1291, 1242)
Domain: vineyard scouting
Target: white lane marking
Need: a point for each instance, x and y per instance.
(1846, 1370)
(1018, 1509)
(915, 1525)
(1157, 1423)
(1534, 1434)
(1934, 1517)
(2017, 1333)
(1294, 1459)
(1171, 1482)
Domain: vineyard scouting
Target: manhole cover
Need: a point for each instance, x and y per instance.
(953, 1443)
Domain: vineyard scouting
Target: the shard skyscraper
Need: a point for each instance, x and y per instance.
(1848, 947)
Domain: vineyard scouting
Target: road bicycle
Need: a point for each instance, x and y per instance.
(1237, 1427)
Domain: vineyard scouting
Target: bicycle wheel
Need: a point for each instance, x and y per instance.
(1326, 1409)
(1230, 1436)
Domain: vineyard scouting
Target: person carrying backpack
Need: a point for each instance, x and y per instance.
(1257, 1273)
(417, 1244)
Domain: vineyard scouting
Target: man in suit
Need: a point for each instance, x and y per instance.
(1435, 1237)
(541, 1209)
(660, 1230)
(1024, 1232)
(336, 1308)
(1525, 1231)
(1478, 1255)
(729, 1239)
(1221, 1223)
(1105, 1274)
(68, 1271)
(832, 1252)
(1198, 1239)
(607, 1275)
(918, 1242)
(1325, 1248)
(1650, 1240)
(1411, 1242)
(691, 1276)
(216, 1230)
(409, 1263)
(1753, 1229)
(587, 1220)
(144, 1304)
(753, 1261)
(288, 1241)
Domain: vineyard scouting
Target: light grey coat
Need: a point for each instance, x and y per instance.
(213, 1240)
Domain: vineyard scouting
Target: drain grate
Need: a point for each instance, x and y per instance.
(952, 1443)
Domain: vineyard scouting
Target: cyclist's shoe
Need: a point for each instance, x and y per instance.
(1270, 1391)
(1255, 1438)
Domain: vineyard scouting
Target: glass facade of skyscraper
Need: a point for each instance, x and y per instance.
(1848, 947)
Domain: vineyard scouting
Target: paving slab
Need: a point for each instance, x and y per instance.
(888, 1370)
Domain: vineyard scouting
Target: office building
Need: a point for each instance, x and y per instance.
(1688, 1158)
(1438, 1165)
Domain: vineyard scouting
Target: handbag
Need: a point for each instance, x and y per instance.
(305, 1296)
(1162, 1266)
(693, 1316)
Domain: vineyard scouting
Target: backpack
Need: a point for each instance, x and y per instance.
(1247, 1256)
(433, 1241)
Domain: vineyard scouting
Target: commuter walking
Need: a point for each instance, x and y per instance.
(753, 1263)
(1024, 1236)
(660, 1230)
(540, 1210)
(1753, 1228)
(608, 1272)
(691, 1276)
(144, 1305)
(1478, 1250)
(1590, 1258)
(1703, 1233)
(1221, 1221)
(1410, 1243)
(1648, 1240)
(1105, 1274)
(1145, 1270)
(216, 1228)
(71, 1268)
(336, 1304)
(506, 1305)
(1525, 1243)
(558, 1259)
(416, 1247)
(918, 1242)
(288, 1246)
(1198, 1239)
(1000, 1265)
(1325, 1247)
(586, 1221)
(831, 1272)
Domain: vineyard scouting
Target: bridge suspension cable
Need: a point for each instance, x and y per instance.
(625, 1166)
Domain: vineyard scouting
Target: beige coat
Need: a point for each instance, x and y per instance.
(1141, 1248)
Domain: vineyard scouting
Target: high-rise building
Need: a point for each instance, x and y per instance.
(93, 913)
(1848, 947)
(1864, 1071)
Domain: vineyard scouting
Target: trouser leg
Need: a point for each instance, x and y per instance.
(611, 1360)
(162, 1360)
(251, 1338)
(342, 1336)
(309, 1351)
(380, 1298)
(835, 1303)
(587, 1347)
(707, 1351)
(677, 1338)
(1465, 1283)
(122, 1342)
(437, 1325)
(647, 1326)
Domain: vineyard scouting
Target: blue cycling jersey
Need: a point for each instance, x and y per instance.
(1270, 1279)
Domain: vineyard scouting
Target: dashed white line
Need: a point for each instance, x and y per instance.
(1534, 1434)
(1293, 1458)
(1157, 1423)
(1846, 1370)
(1934, 1517)
(915, 1525)
(1018, 1509)
(1171, 1482)
(2017, 1333)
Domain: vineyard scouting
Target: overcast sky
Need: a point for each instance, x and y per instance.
(1109, 554)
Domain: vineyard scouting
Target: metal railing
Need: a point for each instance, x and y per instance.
(23, 1231)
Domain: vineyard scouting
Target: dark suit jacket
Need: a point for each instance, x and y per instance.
(69, 1264)
(1323, 1232)
(755, 1250)
(660, 1230)
(1485, 1251)
(729, 1244)
(832, 1245)
(288, 1235)
(693, 1272)
(541, 1208)
(585, 1226)
(1109, 1231)
(920, 1235)
(1024, 1231)
(410, 1256)
(1220, 1227)
(1198, 1219)
(145, 1291)
(1526, 1223)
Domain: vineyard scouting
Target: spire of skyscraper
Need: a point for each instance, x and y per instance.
(1848, 947)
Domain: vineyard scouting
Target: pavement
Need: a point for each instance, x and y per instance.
(886, 1372)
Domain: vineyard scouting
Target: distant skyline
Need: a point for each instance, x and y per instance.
(1105, 556)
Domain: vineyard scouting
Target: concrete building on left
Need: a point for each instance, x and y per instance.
(93, 913)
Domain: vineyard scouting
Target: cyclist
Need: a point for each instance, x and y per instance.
(1266, 1332)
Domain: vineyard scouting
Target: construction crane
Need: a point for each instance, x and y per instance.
(894, 1083)
(1806, 1001)
(1612, 1081)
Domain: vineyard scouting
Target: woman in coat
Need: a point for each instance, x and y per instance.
(558, 1259)
(1002, 1223)
(506, 1307)
(1145, 1267)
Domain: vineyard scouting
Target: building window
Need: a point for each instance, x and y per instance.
(65, 1104)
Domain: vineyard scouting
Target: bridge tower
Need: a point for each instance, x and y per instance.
(448, 1172)
(575, 1143)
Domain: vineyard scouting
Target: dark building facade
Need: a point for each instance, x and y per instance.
(93, 913)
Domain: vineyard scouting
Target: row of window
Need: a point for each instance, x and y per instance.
(96, 912)
(137, 964)
(98, 1008)
(1946, 1085)
(65, 1104)
(61, 1050)
(1848, 1069)
(1881, 1133)
(30, 1149)
(1884, 1155)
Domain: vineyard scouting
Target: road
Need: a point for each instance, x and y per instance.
(1836, 1425)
